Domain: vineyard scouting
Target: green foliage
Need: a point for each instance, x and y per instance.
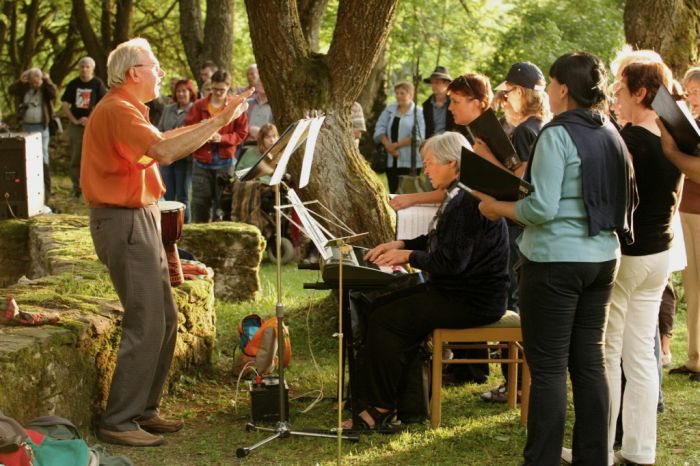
(543, 30)
(488, 36)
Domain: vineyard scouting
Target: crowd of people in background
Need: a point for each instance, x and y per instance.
(591, 249)
(186, 103)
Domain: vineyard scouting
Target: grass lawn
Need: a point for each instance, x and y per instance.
(472, 432)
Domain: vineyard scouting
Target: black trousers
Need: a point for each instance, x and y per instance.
(392, 177)
(563, 310)
(397, 324)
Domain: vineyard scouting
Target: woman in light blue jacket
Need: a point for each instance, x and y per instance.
(394, 130)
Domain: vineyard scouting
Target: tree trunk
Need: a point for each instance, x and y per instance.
(373, 100)
(30, 32)
(670, 27)
(122, 24)
(208, 40)
(218, 32)
(297, 81)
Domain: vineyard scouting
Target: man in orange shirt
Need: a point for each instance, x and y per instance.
(121, 182)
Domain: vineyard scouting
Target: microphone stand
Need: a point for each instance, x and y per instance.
(283, 430)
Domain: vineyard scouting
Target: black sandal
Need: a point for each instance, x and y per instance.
(683, 370)
(385, 423)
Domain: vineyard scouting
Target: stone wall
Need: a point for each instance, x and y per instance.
(65, 369)
(233, 250)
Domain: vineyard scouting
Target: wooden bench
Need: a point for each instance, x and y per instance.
(505, 333)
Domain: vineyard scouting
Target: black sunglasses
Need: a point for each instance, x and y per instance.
(461, 82)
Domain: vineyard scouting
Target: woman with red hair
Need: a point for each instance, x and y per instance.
(177, 176)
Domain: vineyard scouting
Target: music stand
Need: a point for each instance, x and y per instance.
(299, 132)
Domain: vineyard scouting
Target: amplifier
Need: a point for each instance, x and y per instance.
(21, 175)
(265, 401)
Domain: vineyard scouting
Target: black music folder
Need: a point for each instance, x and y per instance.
(487, 128)
(678, 121)
(479, 174)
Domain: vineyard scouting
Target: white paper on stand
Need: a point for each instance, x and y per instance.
(288, 150)
(314, 129)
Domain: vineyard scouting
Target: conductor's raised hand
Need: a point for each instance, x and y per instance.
(374, 253)
(235, 107)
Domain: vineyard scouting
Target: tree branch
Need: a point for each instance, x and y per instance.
(310, 16)
(157, 19)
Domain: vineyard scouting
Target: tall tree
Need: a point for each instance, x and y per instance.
(208, 39)
(115, 27)
(298, 80)
(671, 27)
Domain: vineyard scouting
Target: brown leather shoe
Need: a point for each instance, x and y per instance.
(158, 425)
(131, 438)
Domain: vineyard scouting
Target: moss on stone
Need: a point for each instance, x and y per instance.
(66, 368)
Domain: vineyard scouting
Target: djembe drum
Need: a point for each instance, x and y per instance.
(172, 217)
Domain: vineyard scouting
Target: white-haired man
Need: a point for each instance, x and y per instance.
(121, 182)
(79, 98)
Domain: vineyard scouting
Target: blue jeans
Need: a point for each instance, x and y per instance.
(178, 180)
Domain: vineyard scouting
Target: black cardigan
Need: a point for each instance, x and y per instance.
(468, 256)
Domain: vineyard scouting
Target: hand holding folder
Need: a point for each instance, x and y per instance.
(478, 174)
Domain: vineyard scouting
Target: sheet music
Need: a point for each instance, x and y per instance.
(414, 221)
(314, 129)
(288, 150)
(311, 227)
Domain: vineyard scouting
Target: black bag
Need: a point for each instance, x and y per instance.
(378, 159)
(55, 125)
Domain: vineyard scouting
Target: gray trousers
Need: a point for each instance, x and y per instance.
(75, 135)
(128, 242)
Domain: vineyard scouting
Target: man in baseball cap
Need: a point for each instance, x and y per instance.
(524, 74)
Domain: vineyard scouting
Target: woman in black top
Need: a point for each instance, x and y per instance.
(465, 258)
(526, 109)
(644, 269)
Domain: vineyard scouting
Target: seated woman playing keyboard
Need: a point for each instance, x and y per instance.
(465, 259)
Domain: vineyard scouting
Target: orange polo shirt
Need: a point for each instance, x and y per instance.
(114, 170)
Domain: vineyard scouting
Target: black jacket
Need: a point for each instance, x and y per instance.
(48, 96)
(428, 117)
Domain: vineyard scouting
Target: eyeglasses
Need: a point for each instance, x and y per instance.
(504, 93)
(154, 65)
(219, 90)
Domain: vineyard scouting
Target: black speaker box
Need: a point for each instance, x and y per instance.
(21, 175)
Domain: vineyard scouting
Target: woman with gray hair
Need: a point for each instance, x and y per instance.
(464, 256)
(35, 95)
